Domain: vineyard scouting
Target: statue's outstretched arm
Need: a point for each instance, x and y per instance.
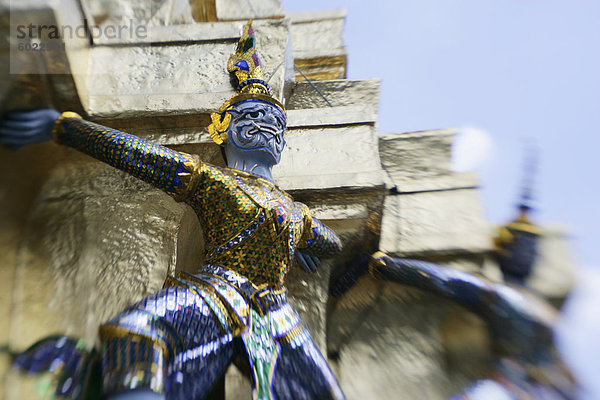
(500, 303)
(162, 167)
(462, 287)
(137, 395)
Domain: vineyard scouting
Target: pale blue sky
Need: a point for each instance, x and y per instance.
(515, 69)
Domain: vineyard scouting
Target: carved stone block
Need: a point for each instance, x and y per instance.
(436, 222)
(96, 241)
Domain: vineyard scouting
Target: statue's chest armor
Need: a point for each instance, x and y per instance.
(280, 208)
(263, 250)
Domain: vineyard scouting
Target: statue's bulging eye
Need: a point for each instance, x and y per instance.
(255, 114)
(280, 123)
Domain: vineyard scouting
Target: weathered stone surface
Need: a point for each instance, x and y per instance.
(314, 158)
(78, 54)
(31, 78)
(309, 295)
(319, 51)
(244, 10)
(340, 211)
(343, 115)
(389, 341)
(4, 368)
(146, 79)
(339, 93)
(167, 130)
(354, 216)
(423, 223)
(25, 387)
(138, 12)
(97, 241)
(21, 176)
(317, 15)
(7, 277)
(450, 181)
(318, 33)
(182, 79)
(435, 211)
(189, 33)
(237, 386)
(553, 275)
(416, 153)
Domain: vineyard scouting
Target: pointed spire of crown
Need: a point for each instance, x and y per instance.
(245, 64)
(530, 166)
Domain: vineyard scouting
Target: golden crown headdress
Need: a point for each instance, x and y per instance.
(245, 65)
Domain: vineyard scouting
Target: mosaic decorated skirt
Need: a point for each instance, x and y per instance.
(181, 340)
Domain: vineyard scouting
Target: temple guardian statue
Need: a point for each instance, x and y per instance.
(177, 343)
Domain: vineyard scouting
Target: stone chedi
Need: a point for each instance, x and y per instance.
(163, 87)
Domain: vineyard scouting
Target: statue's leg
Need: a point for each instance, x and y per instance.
(303, 373)
(144, 394)
(168, 343)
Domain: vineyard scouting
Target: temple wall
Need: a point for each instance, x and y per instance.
(391, 341)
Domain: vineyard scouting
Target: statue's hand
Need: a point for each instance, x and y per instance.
(308, 262)
(20, 128)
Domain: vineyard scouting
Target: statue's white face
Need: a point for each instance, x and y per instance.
(257, 126)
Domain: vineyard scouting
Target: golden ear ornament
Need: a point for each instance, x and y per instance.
(218, 127)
